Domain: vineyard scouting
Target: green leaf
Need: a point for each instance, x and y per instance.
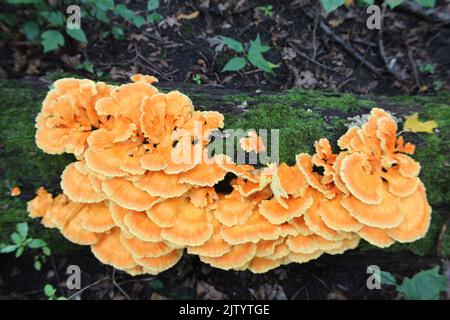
(8, 249)
(55, 18)
(77, 34)
(37, 243)
(156, 284)
(331, 5)
(104, 5)
(19, 251)
(24, 1)
(51, 40)
(49, 290)
(425, 285)
(87, 65)
(256, 45)
(138, 20)
(22, 228)
(102, 16)
(117, 32)
(31, 30)
(394, 3)
(235, 64)
(427, 3)
(152, 5)
(256, 58)
(62, 298)
(8, 18)
(122, 11)
(388, 279)
(37, 265)
(16, 238)
(154, 17)
(46, 251)
(232, 44)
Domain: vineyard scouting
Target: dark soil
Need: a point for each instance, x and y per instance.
(177, 49)
(329, 277)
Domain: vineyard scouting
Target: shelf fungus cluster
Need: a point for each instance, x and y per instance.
(139, 209)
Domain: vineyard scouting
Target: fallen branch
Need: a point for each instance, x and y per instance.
(337, 38)
(433, 15)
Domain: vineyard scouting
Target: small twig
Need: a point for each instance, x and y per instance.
(413, 64)
(389, 65)
(337, 38)
(116, 284)
(87, 287)
(309, 58)
(432, 14)
(440, 238)
(316, 22)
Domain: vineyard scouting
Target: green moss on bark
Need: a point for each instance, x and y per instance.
(302, 117)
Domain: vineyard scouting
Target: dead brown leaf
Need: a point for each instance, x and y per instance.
(187, 16)
(208, 292)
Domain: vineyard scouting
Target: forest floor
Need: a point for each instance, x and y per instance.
(183, 47)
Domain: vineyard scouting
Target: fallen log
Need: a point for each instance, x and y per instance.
(302, 116)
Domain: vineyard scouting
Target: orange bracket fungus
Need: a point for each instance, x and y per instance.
(143, 189)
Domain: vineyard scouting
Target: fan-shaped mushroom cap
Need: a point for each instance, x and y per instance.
(304, 163)
(164, 214)
(118, 215)
(155, 265)
(261, 265)
(417, 216)
(407, 166)
(336, 217)
(244, 171)
(336, 173)
(153, 161)
(281, 251)
(143, 78)
(98, 218)
(126, 195)
(159, 184)
(144, 249)
(233, 209)
(37, 207)
(387, 214)
(291, 179)
(205, 174)
(344, 245)
(191, 228)
(376, 236)
(267, 247)
(315, 222)
(105, 157)
(143, 228)
(300, 224)
(303, 244)
(73, 229)
(245, 187)
(111, 251)
(77, 186)
(238, 256)
(125, 101)
(398, 184)
(216, 246)
(255, 229)
(288, 229)
(202, 197)
(355, 173)
(277, 214)
(301, 257)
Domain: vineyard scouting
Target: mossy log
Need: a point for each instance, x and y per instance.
(302, 116)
